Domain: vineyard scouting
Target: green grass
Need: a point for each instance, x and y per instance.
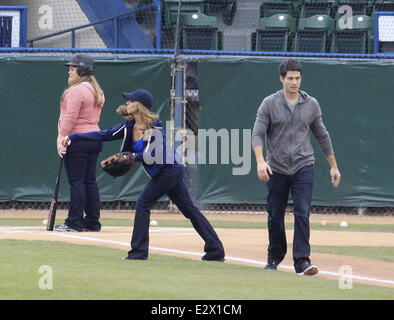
(217, 224)
(20, 222)
(89, 272)
(380, 253)
(355, 227)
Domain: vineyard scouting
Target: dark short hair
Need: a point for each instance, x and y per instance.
(289, 65)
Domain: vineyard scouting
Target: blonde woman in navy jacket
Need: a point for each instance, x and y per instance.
(140, 133)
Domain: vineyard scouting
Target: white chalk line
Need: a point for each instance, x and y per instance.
(228, 258)
(167, 231)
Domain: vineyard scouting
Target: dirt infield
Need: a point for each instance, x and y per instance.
(222, 216)
(243, 246)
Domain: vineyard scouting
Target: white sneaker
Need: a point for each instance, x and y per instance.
(310, 270)
(63, 227)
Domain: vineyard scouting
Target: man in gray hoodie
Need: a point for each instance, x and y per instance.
(284, 121)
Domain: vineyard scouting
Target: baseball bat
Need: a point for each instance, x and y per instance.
(53, 207)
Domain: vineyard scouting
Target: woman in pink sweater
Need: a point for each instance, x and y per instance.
(80, 110)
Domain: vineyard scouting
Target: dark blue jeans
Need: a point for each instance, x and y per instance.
(80, 163)
(172, 184)
(300, 184)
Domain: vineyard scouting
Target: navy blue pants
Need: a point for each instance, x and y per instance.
(80, 163)
(300, 184)
(172, 184)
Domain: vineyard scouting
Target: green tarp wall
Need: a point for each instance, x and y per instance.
(357, 102)
(30, 89)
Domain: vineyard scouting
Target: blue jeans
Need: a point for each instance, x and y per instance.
(300, 184)
(80, 163)
(171, 183)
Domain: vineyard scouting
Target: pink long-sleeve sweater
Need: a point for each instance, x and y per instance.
(78, 112)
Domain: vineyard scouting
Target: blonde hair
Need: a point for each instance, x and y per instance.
(98, 92)
(147, 115)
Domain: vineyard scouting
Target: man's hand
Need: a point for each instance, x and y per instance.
(335, 177)
(334, 172)
(263, 171)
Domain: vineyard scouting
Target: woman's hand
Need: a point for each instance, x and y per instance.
(62, 146)
(65, 142)
(61, 151)
(107, 161)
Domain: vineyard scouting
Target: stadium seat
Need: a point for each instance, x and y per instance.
(314, 34)
(274, 33)
(270, 8)
(358, 7)
(200, 32)
(170, 9)
(314, 7)
(356, 39)
(228, 7)
(383, 5)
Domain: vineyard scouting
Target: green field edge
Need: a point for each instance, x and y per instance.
(387, 228)
(84, 272)
(379, 253)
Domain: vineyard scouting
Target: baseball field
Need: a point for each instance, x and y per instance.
(356, 262)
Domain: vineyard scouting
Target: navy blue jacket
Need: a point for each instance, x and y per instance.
(124, 130)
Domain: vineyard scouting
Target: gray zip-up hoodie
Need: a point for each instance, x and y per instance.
(287, 140)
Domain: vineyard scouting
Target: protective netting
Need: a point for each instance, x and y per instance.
(307, 26)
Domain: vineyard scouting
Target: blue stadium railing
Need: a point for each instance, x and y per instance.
(191, 54)
(115, 19)
(158, 51)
